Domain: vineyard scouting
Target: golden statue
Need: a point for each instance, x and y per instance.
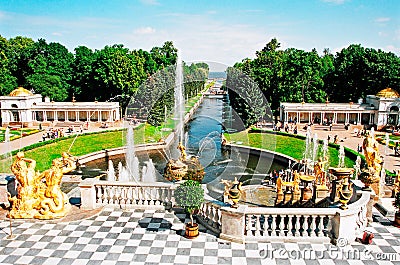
(319, 171)
(182, 149)
(233, 190)
(39, 194)
(374, 161)
(371, 153)
(184, 168)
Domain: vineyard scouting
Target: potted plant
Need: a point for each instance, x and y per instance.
(190, 195)
(396, 204)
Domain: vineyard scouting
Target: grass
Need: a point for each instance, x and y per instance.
(285, 144)
(78, 145)
(17, 133)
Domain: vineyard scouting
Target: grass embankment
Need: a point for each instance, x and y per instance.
(16, 133)
(291, 145)
(44, 152)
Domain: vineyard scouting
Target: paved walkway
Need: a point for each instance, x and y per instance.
(37, 137)
(348, 139)
(117, 236)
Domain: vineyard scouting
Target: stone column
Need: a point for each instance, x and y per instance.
(66, 116)
(55, 116)
(88, 194)
(77, 116)
(233, 223)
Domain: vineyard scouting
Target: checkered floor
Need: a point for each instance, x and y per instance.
(149, 237)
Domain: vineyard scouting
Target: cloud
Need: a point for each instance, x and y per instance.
(57, 34)
(336, 2)
(150, 2)
(382, 19)
(145, 30)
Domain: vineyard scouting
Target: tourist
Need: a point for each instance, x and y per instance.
(359, 148)
(43, 137)
(295, 130)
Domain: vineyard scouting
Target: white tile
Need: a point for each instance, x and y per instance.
(126, 257)
(25, 260)
(72, 254)
(99, 256)
(153, 258)
(183, 259)
(196, 252)
(224, 253)
(116, 249)
(211, 260)
(51, 261)
(143, 250)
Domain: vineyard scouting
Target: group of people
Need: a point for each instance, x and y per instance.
(53, 133)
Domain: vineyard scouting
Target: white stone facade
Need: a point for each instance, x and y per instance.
(29, 109)
(374, 110)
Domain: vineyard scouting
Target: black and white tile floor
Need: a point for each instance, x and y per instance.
(155, 237)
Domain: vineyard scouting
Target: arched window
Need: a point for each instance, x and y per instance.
(394, 109)
(15, 112)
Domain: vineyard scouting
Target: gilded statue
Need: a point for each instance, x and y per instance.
(371, 153)
(182, 149)
(319, 171)
(184, 167)
(374, 161)
(233, 191)
(39, 194)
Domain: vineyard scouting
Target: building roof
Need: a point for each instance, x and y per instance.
(20, 91)
(388, 93)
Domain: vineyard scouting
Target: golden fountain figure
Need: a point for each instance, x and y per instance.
(39, 194)
(233, 191)
(371, 174)
(184, 167)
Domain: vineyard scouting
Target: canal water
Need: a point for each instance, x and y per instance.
(203, 139)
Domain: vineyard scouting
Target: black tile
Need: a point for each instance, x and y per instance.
(85, 255)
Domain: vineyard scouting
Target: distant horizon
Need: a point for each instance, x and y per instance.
(223, 31)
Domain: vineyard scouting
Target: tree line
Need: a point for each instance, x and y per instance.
(294, 75)
(112, 73)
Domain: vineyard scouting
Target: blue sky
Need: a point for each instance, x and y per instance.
(213, 31)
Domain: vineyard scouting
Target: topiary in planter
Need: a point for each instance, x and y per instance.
(190, 195)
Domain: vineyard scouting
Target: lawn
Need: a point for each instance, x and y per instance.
(45, 152)
(16, 133)
(284, 144)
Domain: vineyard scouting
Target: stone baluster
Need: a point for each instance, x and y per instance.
(210, 215)
(319, 226)
(273, 225)
(99, 194)
(290, 225)
(257, 227)
(248, 225)
(312, 225)
(297, 226)
(140, 195)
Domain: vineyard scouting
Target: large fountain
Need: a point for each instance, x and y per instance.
(184, 167)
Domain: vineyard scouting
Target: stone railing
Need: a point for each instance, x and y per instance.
(96, 193)
(245, 223)
(210, 216)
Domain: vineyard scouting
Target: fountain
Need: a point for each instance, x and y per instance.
(185, 167)
(179, 100)
(110, 171)
(149, 172)
(341, 157)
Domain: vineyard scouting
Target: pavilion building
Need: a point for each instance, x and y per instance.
(22, 107)
(377, 110)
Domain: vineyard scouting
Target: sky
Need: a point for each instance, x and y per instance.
(220, 32)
